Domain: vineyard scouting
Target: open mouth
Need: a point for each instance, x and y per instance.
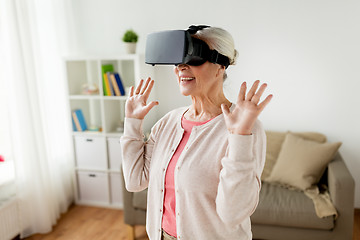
(187, 78)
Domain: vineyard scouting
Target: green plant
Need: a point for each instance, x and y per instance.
(130, 36)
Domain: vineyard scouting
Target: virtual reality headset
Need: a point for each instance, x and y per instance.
(176, 47)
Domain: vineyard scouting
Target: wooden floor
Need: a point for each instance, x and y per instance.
(356, 232)
(84, 223)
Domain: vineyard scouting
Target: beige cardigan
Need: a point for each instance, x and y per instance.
(217, 176)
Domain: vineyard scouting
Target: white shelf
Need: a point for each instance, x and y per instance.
(92, 170)
(88, 133)
(85, 97)
(122, 98)
(98, 97)
(93, 133)
(96, 149)
(114, 134)
(101, 57)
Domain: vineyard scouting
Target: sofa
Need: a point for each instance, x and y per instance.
(285, 212)
(134, 209)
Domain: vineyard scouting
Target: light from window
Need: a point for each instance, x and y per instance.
(6, 159)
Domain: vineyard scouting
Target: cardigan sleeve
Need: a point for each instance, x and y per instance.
(239, 182)
(136, 155)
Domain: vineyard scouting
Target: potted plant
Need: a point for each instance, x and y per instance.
(130, 39)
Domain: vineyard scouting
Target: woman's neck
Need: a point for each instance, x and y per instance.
(204, 108)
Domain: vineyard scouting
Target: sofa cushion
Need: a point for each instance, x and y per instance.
(302, 162)
(280, 206)
(140, 200)
(274, 141)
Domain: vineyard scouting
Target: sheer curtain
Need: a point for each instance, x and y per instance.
(33, 35)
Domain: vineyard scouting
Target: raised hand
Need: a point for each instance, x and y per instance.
(242, 119)
(136, 106)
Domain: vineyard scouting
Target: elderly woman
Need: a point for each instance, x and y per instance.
(201, 163)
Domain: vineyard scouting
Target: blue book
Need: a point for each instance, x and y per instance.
(110, 83)
(119, 83)
(81, 119)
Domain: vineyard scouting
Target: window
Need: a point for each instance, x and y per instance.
(6, 166)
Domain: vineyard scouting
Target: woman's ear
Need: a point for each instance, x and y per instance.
(220, 71)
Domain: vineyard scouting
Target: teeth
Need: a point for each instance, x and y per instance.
(187, 78)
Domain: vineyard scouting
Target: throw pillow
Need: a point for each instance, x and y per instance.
(302, 162)
(274, 141)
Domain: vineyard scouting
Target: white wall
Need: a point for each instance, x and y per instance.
(307, 51)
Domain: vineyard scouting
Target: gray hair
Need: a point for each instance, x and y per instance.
(220, 40)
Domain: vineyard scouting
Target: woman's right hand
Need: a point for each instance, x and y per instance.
(136, 106)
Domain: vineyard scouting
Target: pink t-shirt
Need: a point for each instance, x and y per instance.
(169, 217)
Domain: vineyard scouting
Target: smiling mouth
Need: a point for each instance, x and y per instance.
(187, 78)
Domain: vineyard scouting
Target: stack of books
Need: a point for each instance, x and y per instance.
(112, 83)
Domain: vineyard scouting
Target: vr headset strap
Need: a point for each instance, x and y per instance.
(193, 29)
(214, 56)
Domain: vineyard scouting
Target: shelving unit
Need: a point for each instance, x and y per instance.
(98, 153)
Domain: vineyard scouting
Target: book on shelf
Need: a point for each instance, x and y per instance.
(106, 85)
(76, 124)
(111, 85)
(119, 83)
(104, 69)
(79, 123)
(114, 84)
(73, 119)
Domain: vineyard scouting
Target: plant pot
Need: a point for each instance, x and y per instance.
(130, 47)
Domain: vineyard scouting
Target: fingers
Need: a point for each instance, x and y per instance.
(263, 104)
(256, 98)
(150, 106)
(242, 92)
(252, 91)
(140, 89)
(137, 91)
(131, 91)
(225, 109)
(149, 86)
(146, 85)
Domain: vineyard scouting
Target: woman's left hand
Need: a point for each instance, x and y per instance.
(241, 120)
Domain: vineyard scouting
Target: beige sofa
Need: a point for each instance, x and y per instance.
(283, 213)
(134, 209)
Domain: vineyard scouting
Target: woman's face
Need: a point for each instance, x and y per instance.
(199, 80)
